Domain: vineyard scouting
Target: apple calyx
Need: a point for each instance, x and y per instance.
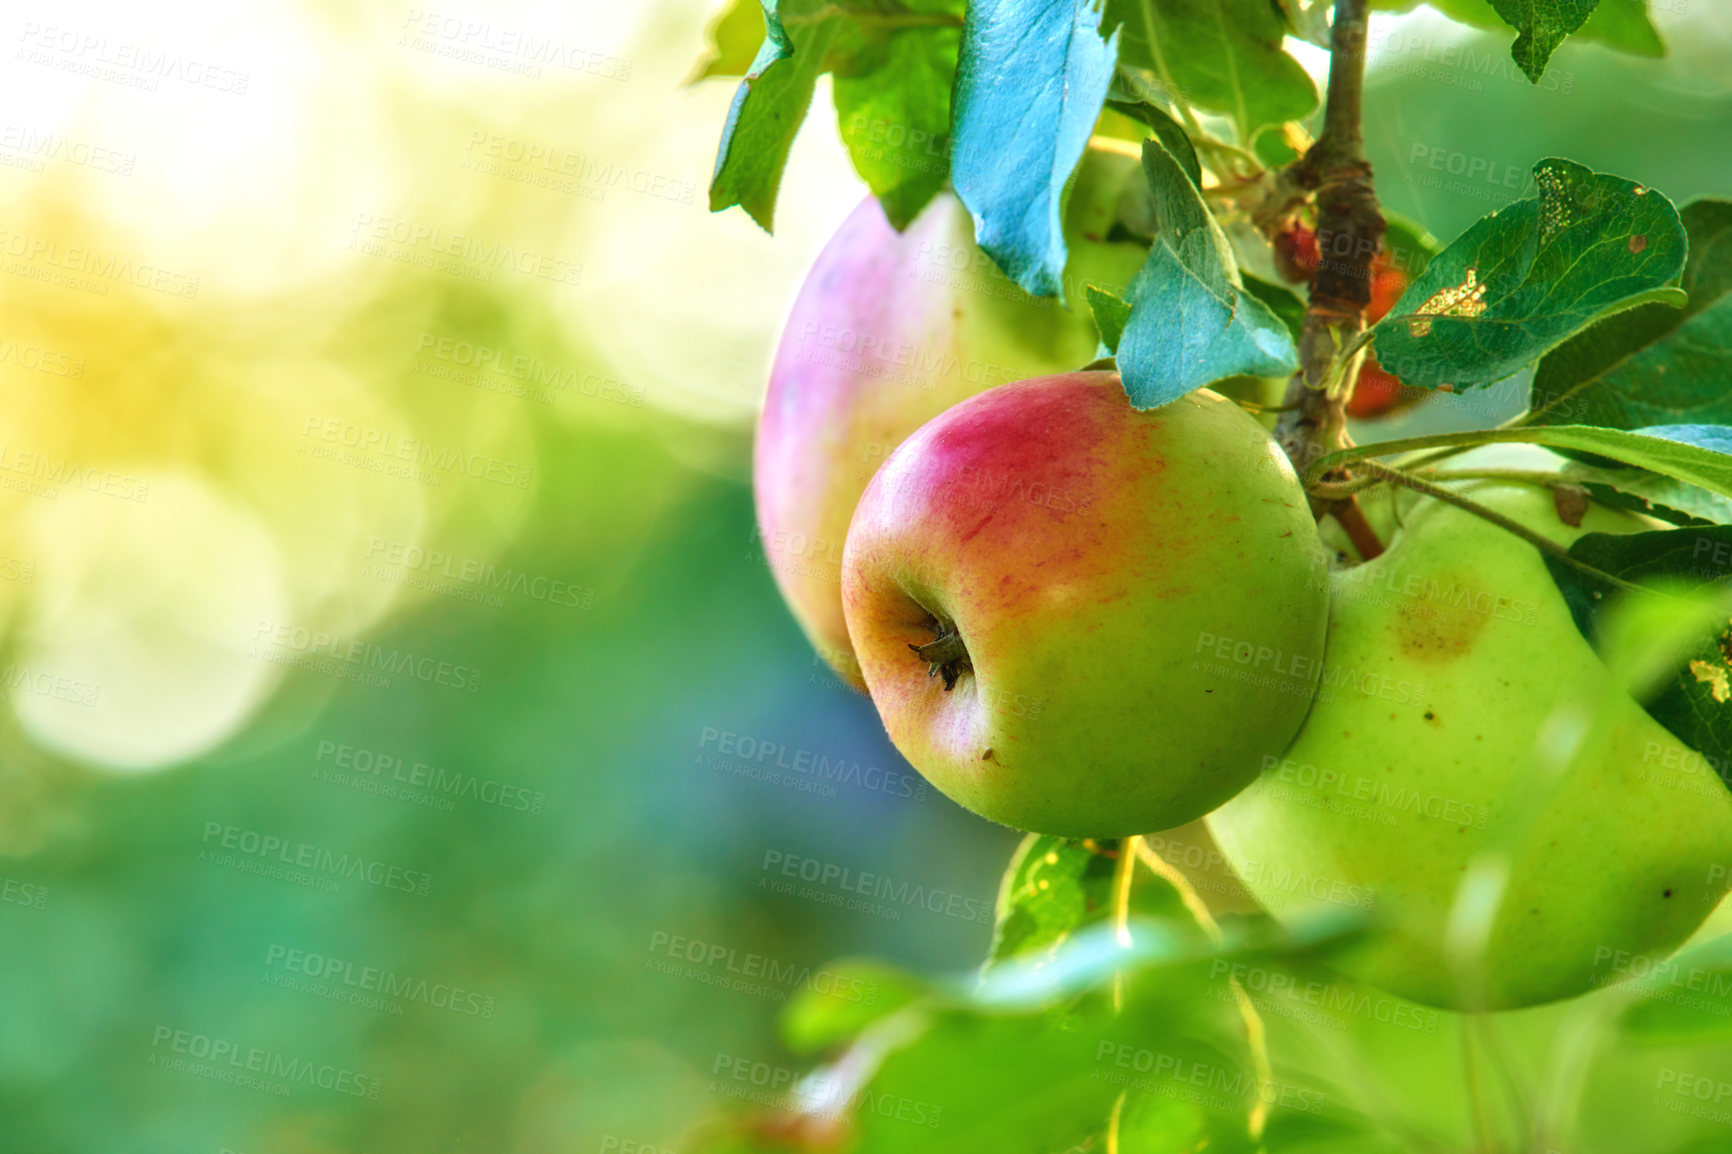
(945, 654)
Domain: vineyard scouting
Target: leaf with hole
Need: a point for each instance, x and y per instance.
(1531, 275)
(1654, 365)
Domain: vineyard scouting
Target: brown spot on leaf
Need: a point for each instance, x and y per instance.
(1638, 243)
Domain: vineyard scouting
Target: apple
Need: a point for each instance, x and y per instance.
(1296, 255)
(1081, 619)
(1454, 731)
(1378, 394)
(888, 331)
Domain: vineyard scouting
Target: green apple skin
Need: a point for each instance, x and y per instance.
(1387, 804)
(889, 331)
(1095, 561)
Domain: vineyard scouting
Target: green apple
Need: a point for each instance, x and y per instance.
(1080, 619)
(889, 330)
(1476, 776)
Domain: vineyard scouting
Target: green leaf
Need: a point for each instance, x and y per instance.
(1473, 13)
(1168, 131)
(1192, 321)
(1685, 1000)
(1029, 86)
(1526, 278)
(1054, 886)
(1643, 492)
(1654, 364)
(893, 76)
(893, 102)
(1542, 25)
(731, 42)
(1223, 56)
(1407, 246)
(1691, 702)
(1624, 25)
(1110, 315)
(1679, 452)
(768, 110)
(1026, 1077)
(1282, 301)
(1158, 1117)
(843, 999)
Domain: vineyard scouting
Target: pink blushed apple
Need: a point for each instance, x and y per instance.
(1037, 583)
(889, 330)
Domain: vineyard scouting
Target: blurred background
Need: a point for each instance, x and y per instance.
(393, 681)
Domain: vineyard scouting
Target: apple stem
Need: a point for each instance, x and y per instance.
(945, 655)
(1351, 518)
(1349, 234)
(1538, 540)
